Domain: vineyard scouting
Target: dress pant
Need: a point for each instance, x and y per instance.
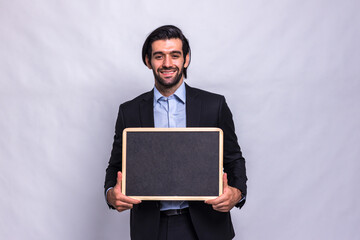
(176, 227)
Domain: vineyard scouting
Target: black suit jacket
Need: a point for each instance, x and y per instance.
(203, 109)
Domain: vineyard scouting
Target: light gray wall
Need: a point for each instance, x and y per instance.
(289, 70)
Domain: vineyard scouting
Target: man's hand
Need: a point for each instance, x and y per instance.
(118, 200)
(226, 201)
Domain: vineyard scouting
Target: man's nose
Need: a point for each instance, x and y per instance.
(167, 61)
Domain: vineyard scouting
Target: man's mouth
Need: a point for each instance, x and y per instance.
(167, 72)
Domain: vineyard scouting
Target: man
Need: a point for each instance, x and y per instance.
(172, 103)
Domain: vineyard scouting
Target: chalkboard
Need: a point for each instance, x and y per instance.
(172, 163)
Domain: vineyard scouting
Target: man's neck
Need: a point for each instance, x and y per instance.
(166, 92)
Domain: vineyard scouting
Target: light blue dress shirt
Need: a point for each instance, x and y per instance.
(170, 112)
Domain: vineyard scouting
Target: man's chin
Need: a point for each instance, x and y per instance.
(168, 83)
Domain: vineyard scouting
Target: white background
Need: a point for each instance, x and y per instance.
(288, 68)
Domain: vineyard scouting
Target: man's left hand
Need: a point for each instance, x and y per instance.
(226, 201)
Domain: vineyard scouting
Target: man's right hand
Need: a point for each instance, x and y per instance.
(118, 200)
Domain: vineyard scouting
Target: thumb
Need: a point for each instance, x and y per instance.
(118, 180)
(225, 183)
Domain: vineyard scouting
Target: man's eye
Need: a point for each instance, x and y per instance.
(176, 56)
(158, 57)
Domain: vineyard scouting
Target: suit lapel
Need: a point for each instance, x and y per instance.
(193, 107)
(146, 110)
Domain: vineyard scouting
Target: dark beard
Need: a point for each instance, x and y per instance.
(171, 84)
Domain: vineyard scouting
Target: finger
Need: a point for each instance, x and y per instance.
(215, 200)
(121, 204)
(221, 209)
(129, 200)
(121, 201)
(119, 178)
(118, 185)
(225, 180)
(223, 206)
(210, 201)
(121, 208)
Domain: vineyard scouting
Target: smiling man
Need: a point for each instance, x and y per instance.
(172, 103)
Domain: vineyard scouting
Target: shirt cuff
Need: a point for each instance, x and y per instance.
(106, 195)
(241, 202)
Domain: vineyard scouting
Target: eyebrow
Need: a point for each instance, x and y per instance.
(172, 52)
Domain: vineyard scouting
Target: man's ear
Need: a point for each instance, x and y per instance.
(187, 60)
(148, 64)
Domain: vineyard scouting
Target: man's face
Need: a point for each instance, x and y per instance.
(167, 62)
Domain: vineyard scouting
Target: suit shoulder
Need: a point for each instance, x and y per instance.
(138, 99)
(206, 94)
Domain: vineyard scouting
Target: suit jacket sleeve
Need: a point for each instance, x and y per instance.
(115, 162)
(234, 162)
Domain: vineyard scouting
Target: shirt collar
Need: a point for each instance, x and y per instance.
(180, 94)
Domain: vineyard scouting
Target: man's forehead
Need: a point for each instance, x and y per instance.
(167, 45)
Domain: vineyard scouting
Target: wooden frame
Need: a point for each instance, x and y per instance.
(189, 176)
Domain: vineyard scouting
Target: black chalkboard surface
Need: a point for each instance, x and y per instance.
(172, 163)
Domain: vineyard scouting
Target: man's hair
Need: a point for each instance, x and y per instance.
(164, 33)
